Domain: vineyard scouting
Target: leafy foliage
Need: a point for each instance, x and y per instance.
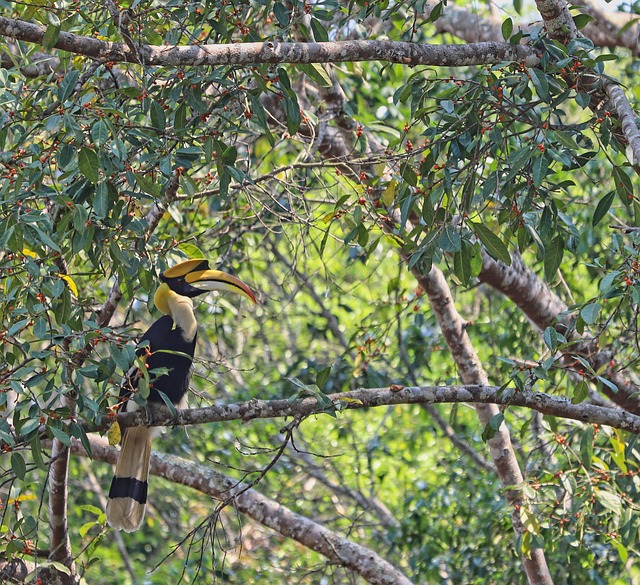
(315, 198)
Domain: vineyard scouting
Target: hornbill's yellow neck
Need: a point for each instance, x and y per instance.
(179, 308)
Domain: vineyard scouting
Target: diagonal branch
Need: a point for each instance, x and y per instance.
(453, 328)
(335, 548)
(628, 118)
(545, 309)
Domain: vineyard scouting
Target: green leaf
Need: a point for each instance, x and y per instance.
(170, 405)
(435, 13)
(46, 239)
(462, 265)
(553, 252)
(492, 243)
(320, 33)
(612, 56)
(88, 164)
(229, 155)
(602, 208)
(608, 281)
(68, 85)
(492, 427)
(450, 240)
(551, 338)
(540, 82)
(180, 118)
(84, 529)
(581, 20)
(101, 200)
(608, 383)
(148, 185)
(409, 175)
(318, 73)
(566, 139)
(624, 187)
(50, 37)
(121, 356)
(623, 553)
(158, 119)
(91, 509)
(507, 29)
(583, 99)
(586, 444)
(609, 500)
(281, 13)
(56, 565)
(119, 149)
(517, 161)
(61, 435)
(322, 377)
(292, 112)
(130, 91)
(539, 170)
(100, 133)
(18, 465)
(191, 250)
(66, 155)
(580, 392)
(590, 312)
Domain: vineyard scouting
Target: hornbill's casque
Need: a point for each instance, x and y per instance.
(167, 347)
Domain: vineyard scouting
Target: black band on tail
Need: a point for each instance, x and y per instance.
(129, 487)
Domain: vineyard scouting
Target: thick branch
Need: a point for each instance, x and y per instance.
(277, 52)
(545, 309)
(453, 328)
(337, 549)
(60, 545)
(627, 118)
(371, 397)
(557, 19)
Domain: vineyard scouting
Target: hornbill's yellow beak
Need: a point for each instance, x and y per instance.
(194, 277)
(208, 280)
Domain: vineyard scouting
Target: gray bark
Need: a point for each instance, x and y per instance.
(337, 549)
(276, 52)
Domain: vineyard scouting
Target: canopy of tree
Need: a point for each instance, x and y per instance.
(438, 206)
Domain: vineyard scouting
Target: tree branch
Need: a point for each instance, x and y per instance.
(371, 397)
(545, 309)
(337, 549)
(557, 19)
(628, 118)
(454, 330)
(276, 52)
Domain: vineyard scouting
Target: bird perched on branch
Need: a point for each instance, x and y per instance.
(167, 350)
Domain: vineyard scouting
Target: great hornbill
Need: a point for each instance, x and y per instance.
(167, 349)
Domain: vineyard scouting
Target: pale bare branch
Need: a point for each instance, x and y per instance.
(337, 549)
(276, 52)
(372, 397)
